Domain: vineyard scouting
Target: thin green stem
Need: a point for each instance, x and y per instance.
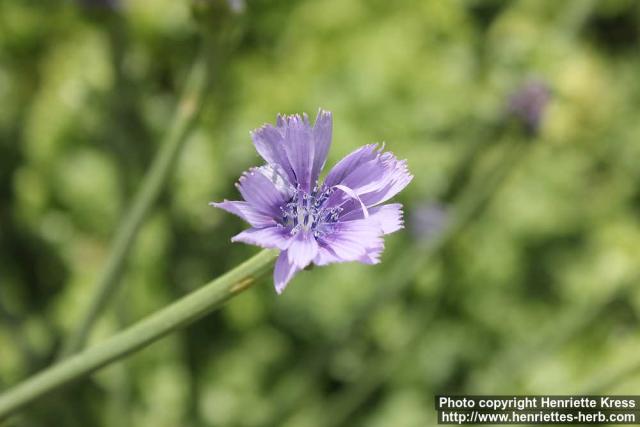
(150, 329)
(186, 114)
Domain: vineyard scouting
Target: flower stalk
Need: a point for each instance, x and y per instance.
(187, 112)
(143, 333)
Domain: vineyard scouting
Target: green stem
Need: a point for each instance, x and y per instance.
(186, 114)
(150, 329)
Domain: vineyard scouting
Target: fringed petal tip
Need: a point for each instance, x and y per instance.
(290, 120)
(390, 217)
(323, 115)
(284, 120)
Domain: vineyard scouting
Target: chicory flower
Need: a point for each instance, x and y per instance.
(341, 219)
(427, 221)
(528, 103)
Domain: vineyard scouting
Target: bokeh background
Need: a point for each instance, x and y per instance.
(518, 268)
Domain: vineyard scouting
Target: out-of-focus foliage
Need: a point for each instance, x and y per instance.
(538, 294)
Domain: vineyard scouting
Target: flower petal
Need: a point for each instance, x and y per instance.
(352, 194)
(283, 272)
(327, 256)
(276, 237)
(374, 176)
(245, 211)
(295, 147)
(349, 241)
(269, 143)
(322, 130)
(261, 193)
(373, 254)
(396, 178)
(278, 178)
(377, 180)
(389, 216)
(302, 249)
(363, 154)
(298, 143)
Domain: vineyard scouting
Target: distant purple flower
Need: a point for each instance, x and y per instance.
(428, 220)
(237, 6)
(342, 219)
(528, 103)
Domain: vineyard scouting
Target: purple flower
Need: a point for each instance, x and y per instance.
(237, 6)
(428, 221)
(342, 219)
(528, 103)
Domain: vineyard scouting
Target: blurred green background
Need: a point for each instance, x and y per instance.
(533, 291)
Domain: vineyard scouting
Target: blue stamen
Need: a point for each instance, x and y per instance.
(306, 211)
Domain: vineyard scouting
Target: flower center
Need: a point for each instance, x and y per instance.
(307, 211)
